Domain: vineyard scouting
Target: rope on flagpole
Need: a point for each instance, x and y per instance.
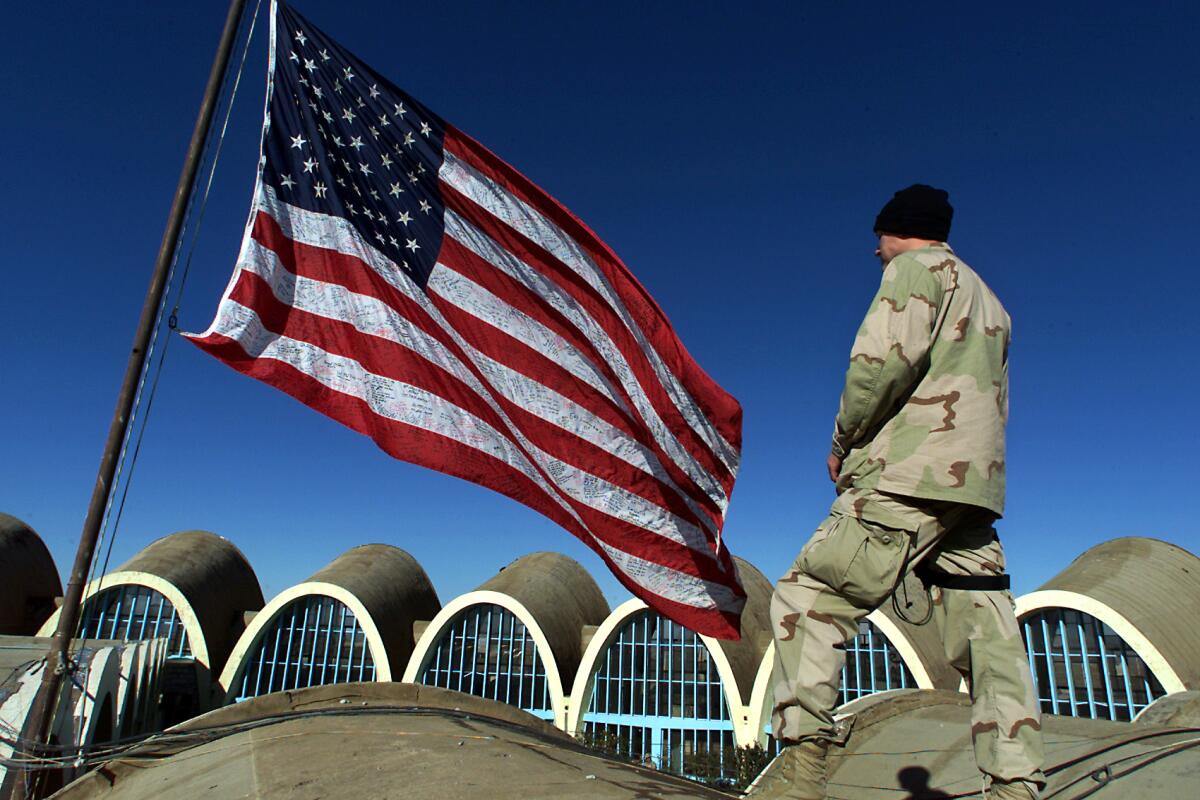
(214, 146)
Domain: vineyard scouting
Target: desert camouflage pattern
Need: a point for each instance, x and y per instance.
(926, 395)
(850, 566)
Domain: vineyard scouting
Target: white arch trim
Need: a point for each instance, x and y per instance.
(896, 638)
(584, 678)
(1056, 598)
(433, 633)
(191, 623)
(254, 631)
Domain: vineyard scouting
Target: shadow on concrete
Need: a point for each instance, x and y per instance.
(915, 781)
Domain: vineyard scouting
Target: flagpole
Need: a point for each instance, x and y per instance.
(46, 701)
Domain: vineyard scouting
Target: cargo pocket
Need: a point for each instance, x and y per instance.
(859, 560)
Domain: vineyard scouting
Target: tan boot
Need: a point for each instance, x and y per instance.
(797, 773)
(1017, 790)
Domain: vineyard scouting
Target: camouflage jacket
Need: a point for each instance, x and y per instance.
(926, 396)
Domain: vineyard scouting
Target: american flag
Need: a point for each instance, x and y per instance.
(400, 278)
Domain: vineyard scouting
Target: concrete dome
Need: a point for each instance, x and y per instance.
(29, 582)
(1147, 591)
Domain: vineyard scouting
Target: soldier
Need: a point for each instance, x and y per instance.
(918, 460)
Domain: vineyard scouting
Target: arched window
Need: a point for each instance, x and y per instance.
(872, 665)
(657, 699)
(1082, 668)
(314, 640)
(486, 651)
(131, 612)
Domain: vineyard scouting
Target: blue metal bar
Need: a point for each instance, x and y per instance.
(287, 654)
(1062, 632)
(274, 659)
(364, 653)
(511, 639)
(462, 652)
(694, 663)
(487, 656)
(337, 659)
(103, 606)
(1112, 706)
(1050, 665)
(1030, 654)
(1087, 667)
(645, 682)
(323, 605)
(1128, 690)
(353, 649)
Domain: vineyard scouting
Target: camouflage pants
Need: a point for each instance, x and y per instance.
(850, 567)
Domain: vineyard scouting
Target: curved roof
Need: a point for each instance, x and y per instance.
(584, 681)
(29, 582)
(736, 662)
(553, 597)
(561, 596)
(1147, 591)
(418, 741)
(917, 743)
(385, 588)
(205, 577)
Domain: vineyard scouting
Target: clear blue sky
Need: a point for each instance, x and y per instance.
(733, 154)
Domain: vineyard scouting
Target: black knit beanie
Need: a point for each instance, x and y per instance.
(920, 211)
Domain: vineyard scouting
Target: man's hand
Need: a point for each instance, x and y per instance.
(835, 467)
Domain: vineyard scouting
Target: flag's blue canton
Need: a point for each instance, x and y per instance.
(342, 140)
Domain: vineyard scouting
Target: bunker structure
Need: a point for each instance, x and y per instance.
(1108, 638)
(351, 621)
(518, 638)
(29, 585)
(192, 590)
(1115, 630)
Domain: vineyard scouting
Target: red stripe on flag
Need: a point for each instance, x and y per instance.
(333, 267)
(718, 405)
(396, 362)
(426, 448)
(612, 326)
(519, 297)
(399, 440)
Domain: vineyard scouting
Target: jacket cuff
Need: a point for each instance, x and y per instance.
(838, 447)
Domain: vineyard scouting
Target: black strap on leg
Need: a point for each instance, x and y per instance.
(932, 576)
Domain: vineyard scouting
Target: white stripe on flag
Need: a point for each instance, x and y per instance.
(373, 317)
(344, 305)
(565, 413)
(672, 584)
(387, 398)
(461, 291)
(524, 218)
(486, 248)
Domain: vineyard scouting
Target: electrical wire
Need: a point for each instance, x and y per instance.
(213, 147)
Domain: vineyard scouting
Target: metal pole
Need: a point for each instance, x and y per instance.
(46, 702)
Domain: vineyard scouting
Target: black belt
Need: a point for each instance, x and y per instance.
(931, 576)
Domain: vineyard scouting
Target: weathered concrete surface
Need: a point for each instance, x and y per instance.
(561, 596)
(1177, 710)
(394, 588)
(917, 744)
(29, 582)
(213, 575)
(374, 741)
(1153, 584)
